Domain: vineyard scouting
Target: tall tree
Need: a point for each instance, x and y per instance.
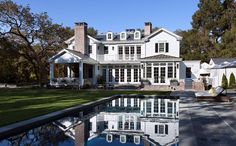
(36, 36)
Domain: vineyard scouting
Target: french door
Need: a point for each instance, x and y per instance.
(159, 75)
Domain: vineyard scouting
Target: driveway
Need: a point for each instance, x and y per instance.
(206, 123)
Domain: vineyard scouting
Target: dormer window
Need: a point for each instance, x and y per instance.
(137, 35)
(109, 36)
(123, 36)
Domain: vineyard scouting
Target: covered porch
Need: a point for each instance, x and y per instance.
(71, 68)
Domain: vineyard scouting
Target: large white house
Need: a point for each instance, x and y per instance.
(128, 57)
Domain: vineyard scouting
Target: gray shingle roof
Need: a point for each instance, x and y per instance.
(130, 37)
(161, 57)
(85, 58)
(222, 60)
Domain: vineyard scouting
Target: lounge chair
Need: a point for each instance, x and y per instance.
(216, 96)
(218, 91)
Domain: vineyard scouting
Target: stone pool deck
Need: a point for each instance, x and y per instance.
(207, 123)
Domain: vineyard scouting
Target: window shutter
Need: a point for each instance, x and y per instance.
(156, 47)
(166, 129)
(156, 128)
(167, 47)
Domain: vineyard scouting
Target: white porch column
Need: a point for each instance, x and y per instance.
(51, 71)
(81, 76)
(68, 71)
(107, 75)
(113, 74)
(95, 73)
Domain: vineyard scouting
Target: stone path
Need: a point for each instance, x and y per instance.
(206, 124)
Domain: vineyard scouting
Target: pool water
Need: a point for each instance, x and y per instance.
(127, 121)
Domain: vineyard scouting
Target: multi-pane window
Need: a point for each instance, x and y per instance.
(163, 109)
(156, 106)
(161, 129)
(131, 125)
(110, 75)
(170, 70)
(139, 50)
(128, 102)
(163, 74)
(126, 50)
(109, 36)
(122, 102)
(132, 50)
(162, 47)
(135, 75)
(90, 49)
(136, 35)
(135, 102)
(128, 74)
(120, 124)
(149, 72)
(117, 102)
(105, 50)
(122, 35)
(126, 125)
(169, 108)
(116, 75)
(149, 107)
(138, 126)
(120, 50)
(122, 75)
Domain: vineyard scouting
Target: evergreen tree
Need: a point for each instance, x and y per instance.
(224, 82)
(232, 80)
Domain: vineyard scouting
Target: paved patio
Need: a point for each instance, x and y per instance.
(207, 124)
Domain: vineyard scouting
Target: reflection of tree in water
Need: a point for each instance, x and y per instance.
(44, 135)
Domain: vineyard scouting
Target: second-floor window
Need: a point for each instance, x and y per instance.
(90, 49)
(138, 50)
(105, 50)
(162, 47)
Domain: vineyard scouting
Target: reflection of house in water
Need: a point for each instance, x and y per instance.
(132, 120)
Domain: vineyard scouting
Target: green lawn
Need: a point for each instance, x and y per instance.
(22, 104)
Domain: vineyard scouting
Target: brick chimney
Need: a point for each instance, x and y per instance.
(147, 28)
(81, 37)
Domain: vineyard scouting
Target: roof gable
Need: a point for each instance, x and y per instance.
(163, 30)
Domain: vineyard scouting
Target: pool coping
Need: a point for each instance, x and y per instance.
(16, 128)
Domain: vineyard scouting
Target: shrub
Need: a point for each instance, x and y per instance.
(231, 80)
(224, 82)
(100, 80)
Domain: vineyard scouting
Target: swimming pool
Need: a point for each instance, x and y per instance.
(128, 121)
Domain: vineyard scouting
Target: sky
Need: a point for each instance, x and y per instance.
(117, 15)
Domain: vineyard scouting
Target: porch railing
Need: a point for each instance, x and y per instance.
(119, 57)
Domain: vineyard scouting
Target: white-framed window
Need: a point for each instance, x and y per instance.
(169, 107)
(161, 129)
(163, 106)
(123, 36)
(156, 106)
(117, 74)
(137, 35)
(105, 49)
(162, 47)
(120, 125)
(128, 73)
(149, 107)
(109, 36)
(149, 71)
(122, 74)
(135, 75)
(90, 50)
(170, 70)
